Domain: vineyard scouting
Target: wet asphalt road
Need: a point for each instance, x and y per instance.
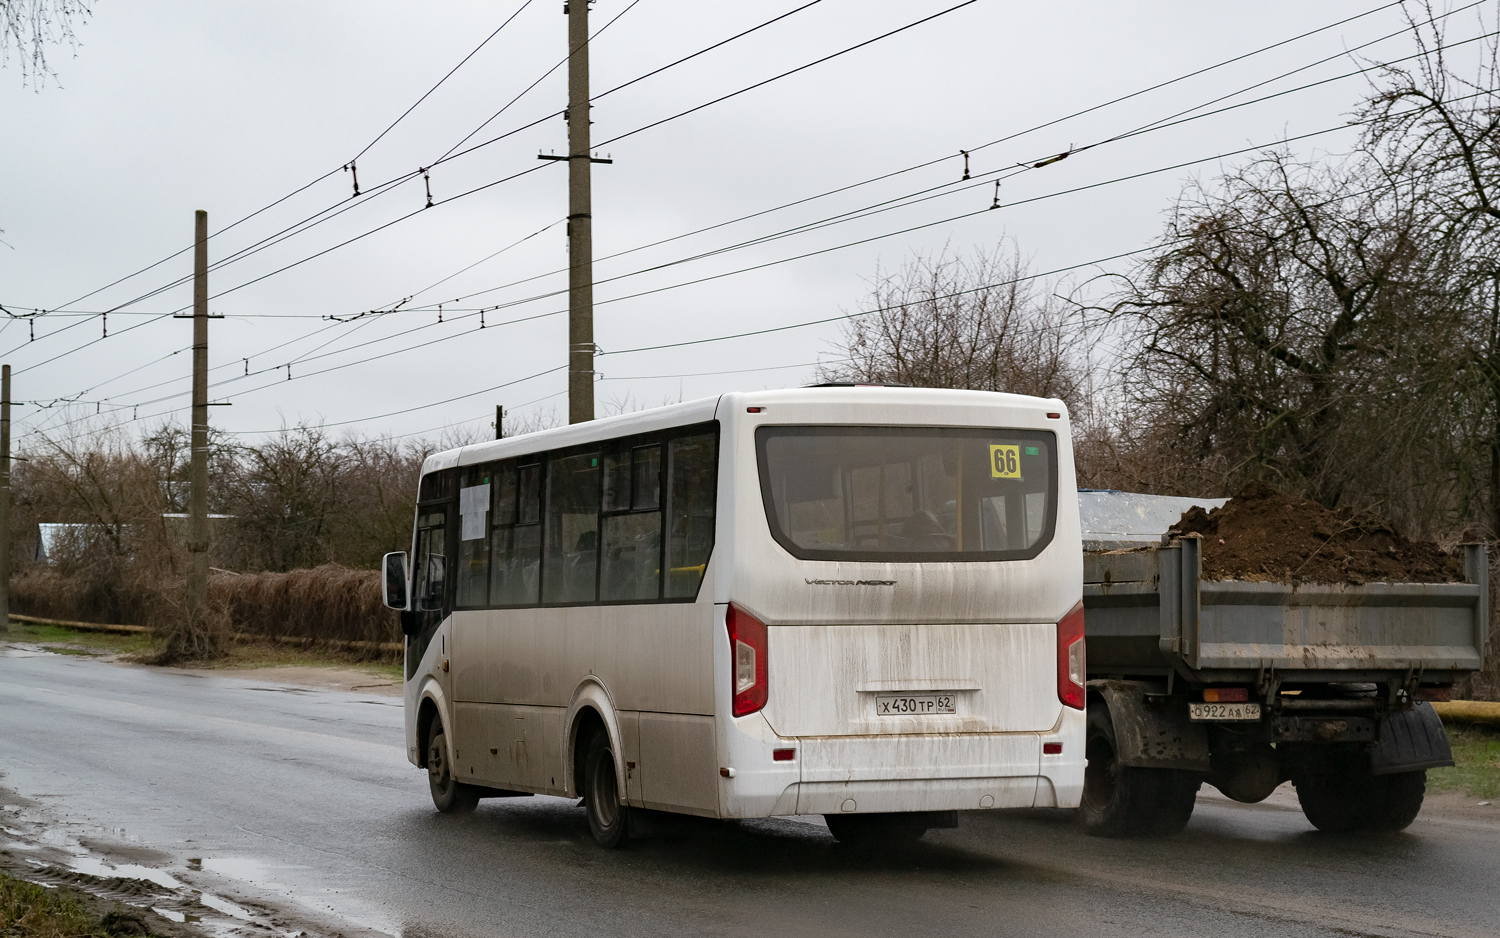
(306, 797)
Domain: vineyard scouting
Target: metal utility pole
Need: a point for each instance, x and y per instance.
(197, 593)
(4, 499)
(499, 428)
(580, 219)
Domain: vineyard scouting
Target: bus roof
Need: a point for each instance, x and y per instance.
(703, 410)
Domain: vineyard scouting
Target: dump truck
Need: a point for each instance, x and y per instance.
(1247, 685)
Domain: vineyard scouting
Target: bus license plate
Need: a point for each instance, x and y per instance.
(909, 704)
(1224, 711)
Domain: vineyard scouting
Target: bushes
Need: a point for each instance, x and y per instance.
(326, 603)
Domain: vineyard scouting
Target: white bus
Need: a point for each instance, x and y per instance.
(856, 602)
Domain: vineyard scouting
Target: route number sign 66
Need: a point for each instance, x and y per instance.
(1005, 461)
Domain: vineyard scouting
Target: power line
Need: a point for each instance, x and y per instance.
(763, 238)
(844, 317)
(314, 182)
(429, 91)
(449, 152)
(1144, 128)
(948, 220)
(407, 410)
(793, 71)
(387, 185)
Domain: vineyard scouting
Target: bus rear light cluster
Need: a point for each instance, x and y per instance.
(1070, 664)
(747, 655)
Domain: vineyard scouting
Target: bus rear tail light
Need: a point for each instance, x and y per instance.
(1070, 665)
(747, 656)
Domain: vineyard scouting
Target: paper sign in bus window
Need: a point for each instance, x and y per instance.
(1005, 461)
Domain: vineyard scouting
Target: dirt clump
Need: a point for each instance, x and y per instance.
(1261, 534)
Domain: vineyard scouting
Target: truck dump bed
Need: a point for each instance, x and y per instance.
(1149, 614)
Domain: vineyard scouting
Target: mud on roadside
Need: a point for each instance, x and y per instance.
(135, 890)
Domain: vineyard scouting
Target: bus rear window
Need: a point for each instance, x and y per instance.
(909, 493)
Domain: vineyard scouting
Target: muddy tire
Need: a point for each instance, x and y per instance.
(449, 795)
(876, 830)
(1124, 801)
(609, 820)
(1349, 802)
(1398, 801)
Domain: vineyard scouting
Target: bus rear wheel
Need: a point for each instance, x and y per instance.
(449, 795)
(609, 820)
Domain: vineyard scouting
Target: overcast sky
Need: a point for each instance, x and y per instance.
(229, 106)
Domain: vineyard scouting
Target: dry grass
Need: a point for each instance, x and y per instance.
(327, 603)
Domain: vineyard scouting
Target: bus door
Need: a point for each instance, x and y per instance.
(431, 576)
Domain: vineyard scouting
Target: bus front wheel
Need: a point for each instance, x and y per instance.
(449, 795)
(608, 820)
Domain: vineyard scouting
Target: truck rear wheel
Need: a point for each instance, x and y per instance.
(1125, 801)
(1342, 803)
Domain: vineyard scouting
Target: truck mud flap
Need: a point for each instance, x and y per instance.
(1410, 741)
(1151, 736)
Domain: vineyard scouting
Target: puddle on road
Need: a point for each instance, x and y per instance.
(251, 871)
(12, 651)
(93, 866)
(225, 906)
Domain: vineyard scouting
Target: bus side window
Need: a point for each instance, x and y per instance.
(570, 557)
(630, 567)
(473, 571)
(692, 467)
(516, 539)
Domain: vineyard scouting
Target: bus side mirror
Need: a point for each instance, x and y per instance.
(431, 599)
(394, 567)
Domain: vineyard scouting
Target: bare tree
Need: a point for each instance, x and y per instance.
(979, 322)
(1429, 122)
(33, 25)
(1289, 329)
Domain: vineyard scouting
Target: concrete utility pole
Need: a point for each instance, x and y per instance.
(4, 499)
(580, 219)
(197, 593)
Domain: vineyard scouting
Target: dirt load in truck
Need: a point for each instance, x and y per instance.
(1267, 640)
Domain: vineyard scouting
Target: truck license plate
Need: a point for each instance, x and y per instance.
(1224, 711)
(908, 704)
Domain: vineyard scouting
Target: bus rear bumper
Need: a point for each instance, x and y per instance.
(931, 794)
(961, 772)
